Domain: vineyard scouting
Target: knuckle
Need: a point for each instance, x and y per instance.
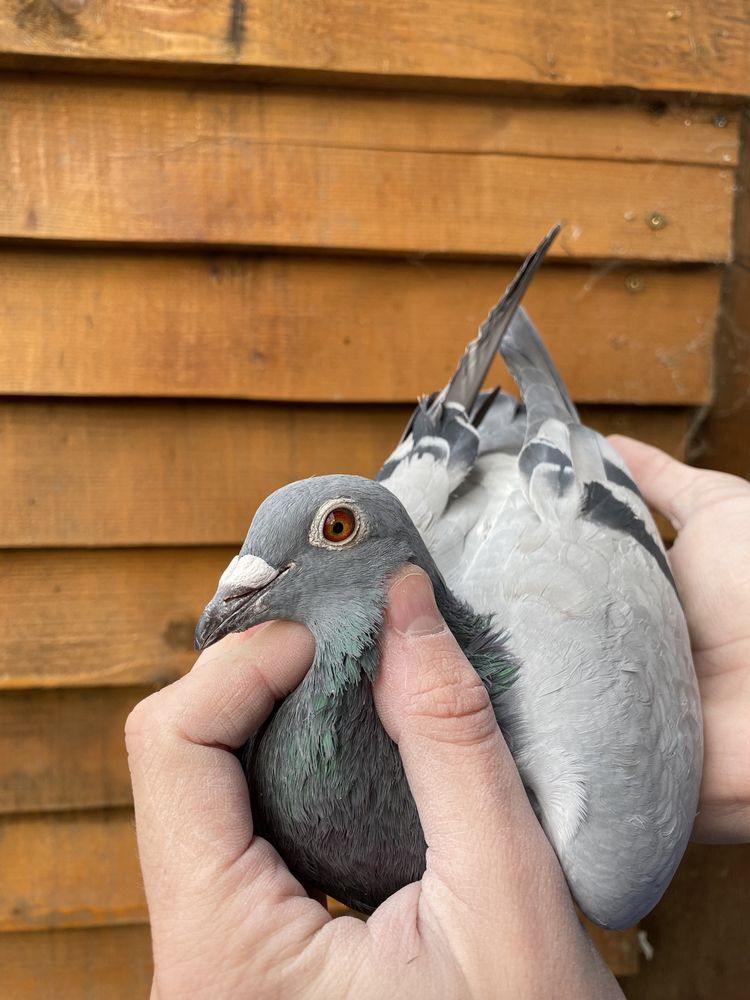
(450, 696)
(144, 721)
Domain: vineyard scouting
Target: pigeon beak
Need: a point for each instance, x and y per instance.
(231, 608)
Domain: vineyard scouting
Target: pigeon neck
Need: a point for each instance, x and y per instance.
(485, 645)
(348, 649)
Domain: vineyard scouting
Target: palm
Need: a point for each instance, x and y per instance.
(711, 563)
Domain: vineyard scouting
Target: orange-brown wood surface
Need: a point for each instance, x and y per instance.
(64, 750)
(305, 328)
(193, 166)
(658, 132)
(75, 869)
(99, 963)
(102, 616)
(144, 473)
(691, 47)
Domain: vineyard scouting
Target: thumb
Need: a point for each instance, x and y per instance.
(432, 703)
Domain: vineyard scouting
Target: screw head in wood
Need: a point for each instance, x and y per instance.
(635, 283)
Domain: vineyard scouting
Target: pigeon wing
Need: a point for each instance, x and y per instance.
(604, 717)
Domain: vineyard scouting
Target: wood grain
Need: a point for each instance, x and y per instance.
(724, 439)
(178, 165)
(316, 329)
(638, 45)
(726, 432)
(77, 869)
(98, 963)
(96, 473)
(97, 617)
(435, 123)
(65, 750)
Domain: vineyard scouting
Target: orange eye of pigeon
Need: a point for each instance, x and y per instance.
(339, 525)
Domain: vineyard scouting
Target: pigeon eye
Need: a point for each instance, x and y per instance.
(339, 525)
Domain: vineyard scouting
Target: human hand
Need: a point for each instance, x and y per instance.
(492, 916)
(711, 564)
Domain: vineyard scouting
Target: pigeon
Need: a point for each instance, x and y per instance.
(549, 571)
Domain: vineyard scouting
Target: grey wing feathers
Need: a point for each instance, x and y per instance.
(561, 459)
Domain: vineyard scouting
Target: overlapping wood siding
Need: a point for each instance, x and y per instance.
(236, 241)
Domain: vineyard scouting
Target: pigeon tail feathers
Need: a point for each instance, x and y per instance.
(464, 386)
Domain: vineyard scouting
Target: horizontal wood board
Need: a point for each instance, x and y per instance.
(77, 869)
(639, 45)
(198, 166)
(315, 329)
(99, 617)
(99, 473)
(95, 963)
(63, 750)
(658, 132)
(724, 443)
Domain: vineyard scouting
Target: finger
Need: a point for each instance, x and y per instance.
(675, 489)
(469, 796)
(191, 799)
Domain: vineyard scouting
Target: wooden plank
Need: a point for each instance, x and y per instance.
(98, 473)
(639, 45)
(198, 167)
(95, 473)
(98, 963)
(742, 200)
(296, 328)
(99, 617)
(444, 123)
(77, 869)
(64, 750)
(726, 432)
(723, 440)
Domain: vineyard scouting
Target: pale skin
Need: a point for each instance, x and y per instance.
(492, 916)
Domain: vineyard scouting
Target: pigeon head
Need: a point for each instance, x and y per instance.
(319, 551)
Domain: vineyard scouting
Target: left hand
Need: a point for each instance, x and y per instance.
(710, 560)
(492, 915)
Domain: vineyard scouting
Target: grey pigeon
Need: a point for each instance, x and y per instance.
(549, 571)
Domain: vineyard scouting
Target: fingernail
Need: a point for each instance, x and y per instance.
(411, 606)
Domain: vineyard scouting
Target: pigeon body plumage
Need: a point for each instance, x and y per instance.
(549, 571)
